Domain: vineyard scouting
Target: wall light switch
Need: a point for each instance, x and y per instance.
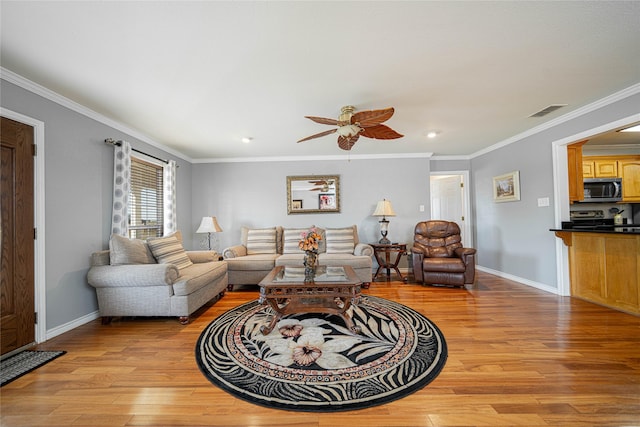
(421, 208)
(543, 201)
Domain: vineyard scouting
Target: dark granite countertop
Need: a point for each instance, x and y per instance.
(617, 229)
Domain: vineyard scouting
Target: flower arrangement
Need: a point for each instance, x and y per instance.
(309, 240)
(309, 244)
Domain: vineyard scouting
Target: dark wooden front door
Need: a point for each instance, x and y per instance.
(17, 308)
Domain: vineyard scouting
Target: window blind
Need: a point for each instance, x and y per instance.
(145, 200)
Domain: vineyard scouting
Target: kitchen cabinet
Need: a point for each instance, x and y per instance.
(630, 174)
(599, 168)
(604, 268)
(626, 167)
(574, 163)
(588, 169)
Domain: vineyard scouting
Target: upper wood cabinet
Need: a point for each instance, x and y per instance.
(574, 163)
(630, 174)
(600, 168)
(626, 167)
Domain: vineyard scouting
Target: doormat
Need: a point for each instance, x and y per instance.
(24, 362)
(312, 362)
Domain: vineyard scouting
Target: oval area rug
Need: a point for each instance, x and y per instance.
(312, 362)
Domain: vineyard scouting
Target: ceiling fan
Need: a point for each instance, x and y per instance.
(353, 125)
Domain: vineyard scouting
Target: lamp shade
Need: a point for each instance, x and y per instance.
(209, 224)
(384, 208)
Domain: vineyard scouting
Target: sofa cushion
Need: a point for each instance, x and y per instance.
(168, 250)
(198, 276)
(123, 251)
(261, 241)
(291, 239)
(259, 262)
(291, 259)
(340, 240)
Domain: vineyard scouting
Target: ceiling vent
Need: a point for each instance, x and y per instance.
(550, 109)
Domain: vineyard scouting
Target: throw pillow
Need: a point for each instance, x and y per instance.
(261, 241)
(168, 250)
(340, 240)
(291, 237)
(123, 251)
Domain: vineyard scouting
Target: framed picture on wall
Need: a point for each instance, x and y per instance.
(327, 201)
(506, 188)
(296, 204)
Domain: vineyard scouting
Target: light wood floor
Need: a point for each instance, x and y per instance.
(517, 356)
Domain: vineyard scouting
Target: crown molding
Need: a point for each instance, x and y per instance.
(615, 97)
(347, 157)
(452, 157)
(42, 91)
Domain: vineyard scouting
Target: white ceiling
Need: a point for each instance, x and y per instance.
(198, 76)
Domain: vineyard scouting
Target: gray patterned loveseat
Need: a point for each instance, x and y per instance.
(156, 277)
(262, 249)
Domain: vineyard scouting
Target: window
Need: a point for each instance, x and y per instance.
(145, 200)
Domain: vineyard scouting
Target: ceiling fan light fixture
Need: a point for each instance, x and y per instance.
(349, 130)
(351, 126)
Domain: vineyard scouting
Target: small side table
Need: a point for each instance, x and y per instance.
(379, 249)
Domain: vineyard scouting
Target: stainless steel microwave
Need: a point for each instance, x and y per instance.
(602, 190)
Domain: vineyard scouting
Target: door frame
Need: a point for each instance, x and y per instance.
(561, 192)
(467, 225)
(39, 220)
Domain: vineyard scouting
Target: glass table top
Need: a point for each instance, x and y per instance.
(323, 274)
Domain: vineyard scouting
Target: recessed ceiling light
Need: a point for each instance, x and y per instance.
(635, 128)
(246, 139)
(432, 134)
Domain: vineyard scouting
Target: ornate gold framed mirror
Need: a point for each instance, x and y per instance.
(313, 194)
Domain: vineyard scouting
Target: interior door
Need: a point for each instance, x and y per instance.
(449, 202)
(17, 306)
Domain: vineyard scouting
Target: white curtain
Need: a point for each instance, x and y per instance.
(121, 183)
(169, 182)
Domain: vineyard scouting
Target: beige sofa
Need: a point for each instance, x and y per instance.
(263, 249)
(156, 277)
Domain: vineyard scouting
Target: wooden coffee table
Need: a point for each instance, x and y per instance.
(333, 291)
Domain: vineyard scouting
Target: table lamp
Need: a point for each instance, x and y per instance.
(384, 209)
(209, 224)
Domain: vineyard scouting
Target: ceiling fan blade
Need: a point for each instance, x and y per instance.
(380, 132)
(372, 117)
(347, 142)
(318, 135)
(322, 120)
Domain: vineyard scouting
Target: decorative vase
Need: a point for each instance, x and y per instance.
(310, 263)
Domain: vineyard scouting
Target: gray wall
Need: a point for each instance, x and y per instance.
(514, 237)
(254, 194)
(78, 191)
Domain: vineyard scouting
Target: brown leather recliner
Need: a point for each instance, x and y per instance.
(438, 256)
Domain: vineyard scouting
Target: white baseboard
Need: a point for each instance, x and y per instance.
(72, 325)
(527, 282)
